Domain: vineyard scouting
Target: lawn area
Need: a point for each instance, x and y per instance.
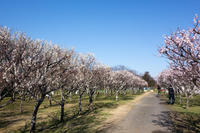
(89, 121)
(186, 120)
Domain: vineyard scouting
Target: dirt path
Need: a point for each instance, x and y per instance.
(148, 115)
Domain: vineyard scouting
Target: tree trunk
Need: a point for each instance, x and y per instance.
(105, 91)
(95, 95)
(180, 99)
(124, 92)
(70, 96)
(62, 104)
(91, 92)
(141, 90)
(21, 102)
(79, 103)
(111, 92)
(138, 91)
(132, 91)
(187, 102)
(117, 95)
(50, 101)
(34, 115)
(90, 99)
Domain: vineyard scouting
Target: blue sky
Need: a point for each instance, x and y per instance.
(118, 32)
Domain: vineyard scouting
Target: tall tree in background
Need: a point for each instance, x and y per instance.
(147, 77)
(122, 67)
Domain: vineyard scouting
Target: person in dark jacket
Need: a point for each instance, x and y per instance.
(171, 95)
(158, 88)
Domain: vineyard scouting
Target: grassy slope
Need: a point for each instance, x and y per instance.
(48, 118)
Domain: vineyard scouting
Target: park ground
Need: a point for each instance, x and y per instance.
(108, 115)
(104, 111)
(152, 114)
(185, 120)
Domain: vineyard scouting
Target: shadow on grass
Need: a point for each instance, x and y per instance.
(121, 97)
(9, 114)
(186, 122)
(6, 123)
(183, 122)
(73, 121)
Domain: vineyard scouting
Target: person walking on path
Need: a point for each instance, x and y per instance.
(171, 95)
(158, 88)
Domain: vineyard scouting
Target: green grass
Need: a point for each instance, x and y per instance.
(185, 120)
(86, 122)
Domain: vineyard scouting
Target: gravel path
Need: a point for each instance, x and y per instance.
(149, 115)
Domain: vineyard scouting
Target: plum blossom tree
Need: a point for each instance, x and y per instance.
(44, 80)
(96, 81)
(65, 76)
(31, 69)
(13, 68)
(18, 56)
(84, 77)
(101, 77)
(28, 67)
(180, 82)
(182, 48)
(122, 80)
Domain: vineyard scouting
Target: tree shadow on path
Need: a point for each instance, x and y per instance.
(163, 120)
(159, 131)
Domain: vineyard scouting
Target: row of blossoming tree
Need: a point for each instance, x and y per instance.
(31, 69)
(182, 49)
